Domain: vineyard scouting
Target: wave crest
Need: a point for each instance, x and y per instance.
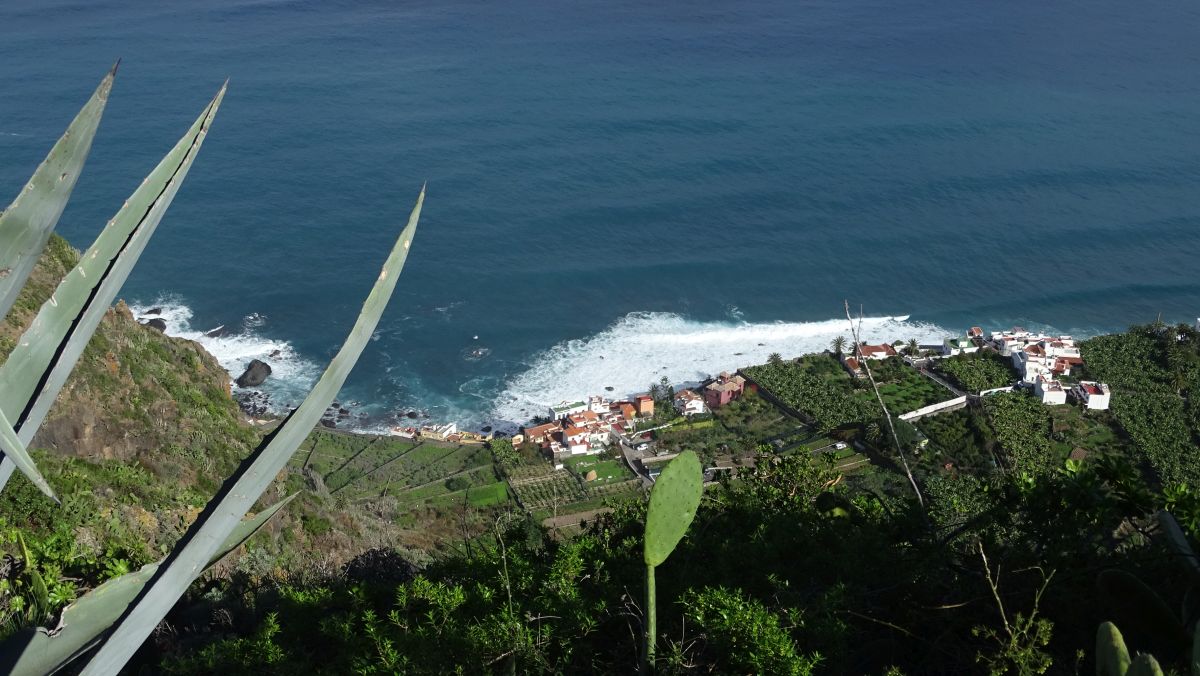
(642, 347)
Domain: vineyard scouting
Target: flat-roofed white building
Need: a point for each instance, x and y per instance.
(1093, 395)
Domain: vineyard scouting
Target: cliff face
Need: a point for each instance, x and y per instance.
(135, 394)
(142, 436)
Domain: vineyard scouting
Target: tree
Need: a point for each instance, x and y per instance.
(666, 391)
(838, 345)
(775, 359)
(653, 392)
(912, 347)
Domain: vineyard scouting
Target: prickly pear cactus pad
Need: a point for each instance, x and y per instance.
(673, 503)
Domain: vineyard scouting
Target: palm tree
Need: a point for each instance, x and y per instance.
(838, 345)
(913, 347)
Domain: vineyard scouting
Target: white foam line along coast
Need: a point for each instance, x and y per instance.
(642, 347)
(234, 347)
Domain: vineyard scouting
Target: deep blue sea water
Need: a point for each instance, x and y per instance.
(621, 190)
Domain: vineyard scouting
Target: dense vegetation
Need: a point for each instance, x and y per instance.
(405, 558)
(1154, 371)
(977, 371)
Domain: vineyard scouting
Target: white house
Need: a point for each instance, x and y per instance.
(1050, 391)
(688, 402)
(575, 439)
(598, 404)
(566, 409)
(1093, 395)
(963, 345)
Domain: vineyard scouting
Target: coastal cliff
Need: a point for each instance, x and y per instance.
(144, 433)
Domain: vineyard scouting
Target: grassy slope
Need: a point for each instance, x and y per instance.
(145, 431)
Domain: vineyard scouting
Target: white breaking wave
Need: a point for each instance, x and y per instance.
(642, 347)
(291, 377)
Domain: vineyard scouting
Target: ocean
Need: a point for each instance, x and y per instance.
(620, 191)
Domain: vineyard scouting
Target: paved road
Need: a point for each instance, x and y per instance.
(633, 460)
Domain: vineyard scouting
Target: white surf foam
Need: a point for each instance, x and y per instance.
(642, 347)
(291, 377)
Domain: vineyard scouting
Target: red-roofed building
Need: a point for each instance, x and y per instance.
(723, 390)
(1093, 395)
(851, 364)
(542, 434)
(628, 412)
(881, 351)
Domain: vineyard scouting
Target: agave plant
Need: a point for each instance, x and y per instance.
(127, 608)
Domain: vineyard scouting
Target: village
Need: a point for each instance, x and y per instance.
(572, 461)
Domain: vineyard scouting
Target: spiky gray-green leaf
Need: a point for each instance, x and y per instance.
(26, 224)
(39, 365)
(256, 474)
(14, 450)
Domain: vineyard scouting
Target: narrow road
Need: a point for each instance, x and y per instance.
(633, 460)
(929, 374)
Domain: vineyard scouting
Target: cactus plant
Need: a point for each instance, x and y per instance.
(1112, 657)
(38, 366)
(1144, 665)
(673, 503)
(1135, 604)
(1134, 601)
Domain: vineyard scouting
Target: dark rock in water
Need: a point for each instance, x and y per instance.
(156, 324)
(761, 344)
(274, 354)
(216, 333)
(336, 404)
(486, 429)
(380, 565)
(255, 374)
(254, 404)
(328, 423)
(412, 415)
(608, 388)
(154, 311)
(343, 411)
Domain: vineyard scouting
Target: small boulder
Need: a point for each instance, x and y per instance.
(154, 311)
(216, 333)
(591, 475)
(156, 324)
(255, 374)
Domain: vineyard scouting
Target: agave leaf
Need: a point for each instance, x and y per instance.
(1179, 542)
(1112, 657)
(43, 651)
(15, 454)
(45, 354)
(1194, 666)
(242, 489)
(1149, 621)
(673, 503)
(26, 225)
